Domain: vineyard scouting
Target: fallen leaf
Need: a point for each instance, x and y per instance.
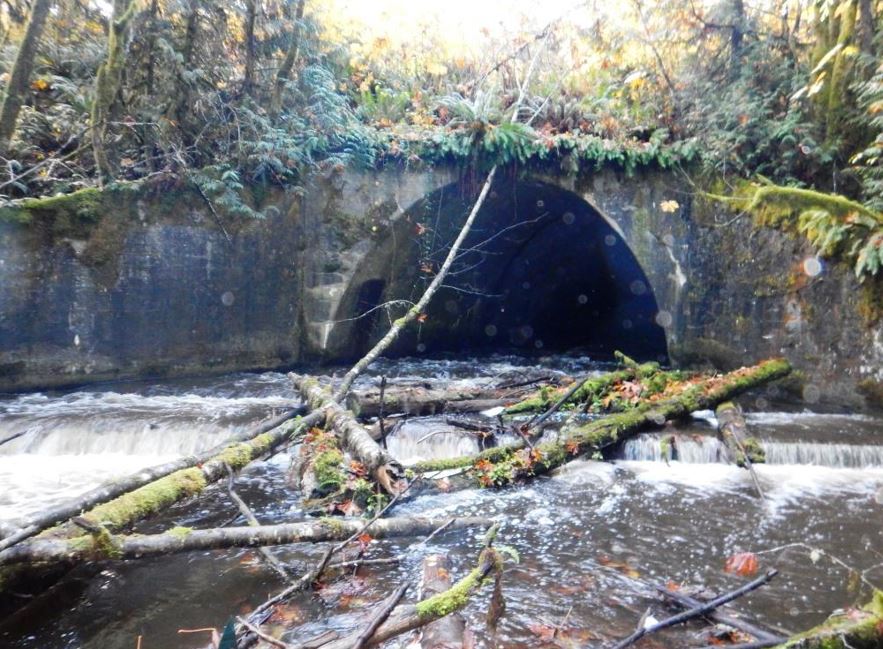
(545, 632)
(744, 564)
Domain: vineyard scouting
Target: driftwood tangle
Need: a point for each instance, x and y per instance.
(354, 438)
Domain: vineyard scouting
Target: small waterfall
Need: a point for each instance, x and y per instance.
(418, 441)
(843, 456)
(87, 423)
(691, 449)
(698, 449)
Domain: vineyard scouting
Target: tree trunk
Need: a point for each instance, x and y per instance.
(866, 26)
(151, 46)
(180, 103)
(108, 83)
(103, 545)
(838, 80)
(21, 72)
(354, 438)
(251, 12)
(737, 33)
(503, 465)
(283, 74)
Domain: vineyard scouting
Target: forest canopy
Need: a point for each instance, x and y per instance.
(228, 94)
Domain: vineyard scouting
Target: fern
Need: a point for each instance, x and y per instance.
(834, 225)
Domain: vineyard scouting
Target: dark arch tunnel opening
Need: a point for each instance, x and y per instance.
(541, 272)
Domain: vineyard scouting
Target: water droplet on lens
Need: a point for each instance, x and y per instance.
(663, 319)
(638, 287)
(812, 266)
(811, 393)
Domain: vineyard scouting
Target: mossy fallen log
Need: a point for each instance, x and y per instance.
(744, 450)
(352, 437)
(104, 546)
(502, 465)
(450, 630)
(413, 616)
(853, 629)
(733, 431)
(591, 391)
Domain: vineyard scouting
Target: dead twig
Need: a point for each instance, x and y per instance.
(380, 617)
(277, 566)
(263, 636)
(698, 611)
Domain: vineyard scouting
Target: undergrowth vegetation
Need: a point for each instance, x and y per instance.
(227, 96)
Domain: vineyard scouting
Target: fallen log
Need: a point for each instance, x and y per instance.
(502, 465)
(743, 449)
(853, 629)
(409, 617)
(587, 392)
(103, 546)
(245, 639)
(420, 401)
(107, 492)
(353, 438)
(448, 632)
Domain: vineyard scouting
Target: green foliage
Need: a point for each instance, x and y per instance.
(384, 105)
(750, 126)
(835, 225)
(869, 161)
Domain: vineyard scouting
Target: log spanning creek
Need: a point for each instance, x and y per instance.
(593, 539)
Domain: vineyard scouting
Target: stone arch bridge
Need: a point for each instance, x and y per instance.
(554, 262)
(139, 283)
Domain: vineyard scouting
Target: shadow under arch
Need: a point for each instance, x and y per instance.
(542, 270)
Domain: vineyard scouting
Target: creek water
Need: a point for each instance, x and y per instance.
(592, 539)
